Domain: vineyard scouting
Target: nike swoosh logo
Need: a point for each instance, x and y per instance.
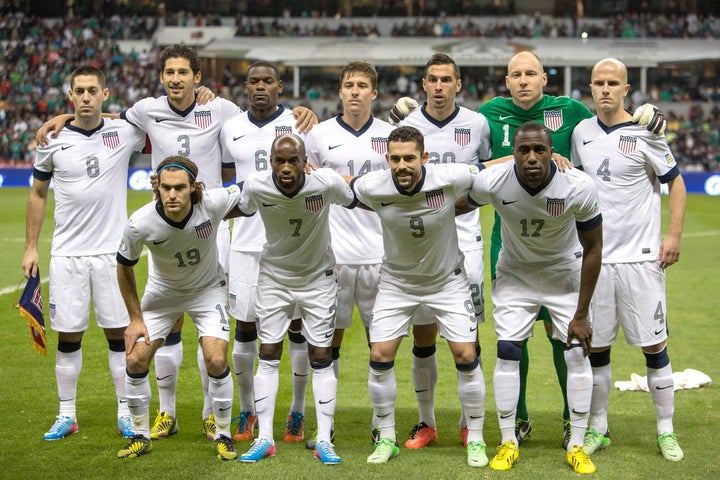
(65, 399)
(224, 409)
(579, 413)
(333, 147)
(238, 138)
(122, 401)
(386, 204)
(260, 399)
(508, 202)
(158, 120)
(475, 417)
(160, 242)
(225, 329)
(658, 332)
(162, 378)
(658, 387)
(472, 329)
(328, 335)
(65, 147)
(421, 390)
(585, 142)
(383, 416)
(325, 402)
(506, 416)
(269, 204)
(504, 117)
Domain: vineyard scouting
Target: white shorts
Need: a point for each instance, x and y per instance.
(207, 309)
(357, 284)
(519, 291)
(450, 306)
(242, 285)
(74, 281)
(631, 295)
(277, 305)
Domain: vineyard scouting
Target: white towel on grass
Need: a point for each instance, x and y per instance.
(688, 378)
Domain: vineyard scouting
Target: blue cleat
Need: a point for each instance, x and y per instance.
(261, 448)
(326, 453)
(62, 427)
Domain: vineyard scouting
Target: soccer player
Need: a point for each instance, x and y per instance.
(453, 134)
(180, 229)
(628, 164)
(353, 144)
(88, 164)
(423, 268)
(551, 254)
(245, 140)
(296, 272)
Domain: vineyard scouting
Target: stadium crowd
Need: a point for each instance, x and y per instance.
(40, 54)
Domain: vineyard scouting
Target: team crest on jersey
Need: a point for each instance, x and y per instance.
(669, 158)
(282, 130)
(203, 119)
(314, 203)
(555, 206)
(111, 140)
(204, 230)
(379, 144)
(627, 144)
(553, 119)
(435, 198)
(462, 136)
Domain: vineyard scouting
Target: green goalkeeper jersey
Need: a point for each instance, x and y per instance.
(559, 114)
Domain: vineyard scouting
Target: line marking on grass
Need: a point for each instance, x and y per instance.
(711, 233)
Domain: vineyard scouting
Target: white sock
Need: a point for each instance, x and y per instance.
(425, 378)
(167, 365)
(471, 388)
(204, 381)
(300, 364)
(662, 390)
(506, 383)
(579, 393)
(266, 387)
(383, 393)
(67, 372)
(602, 382)
(138, 397)
(116, 362)
(243, 358)
(325, 392)
(220, 390)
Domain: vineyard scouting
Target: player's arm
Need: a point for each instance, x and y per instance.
(670, 246)
(649, 116)
(305, 117)
(36, 205)
(52, 127)
(579, 327)
(402, 108)
(128, 289)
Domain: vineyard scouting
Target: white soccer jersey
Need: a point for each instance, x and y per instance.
(246, 144)
(357, 234)
(463, 137)
(185, 255)
(539, 226)
(298, 248)
(419, 233)
(627, 163)
(89, 171)
(192, 133)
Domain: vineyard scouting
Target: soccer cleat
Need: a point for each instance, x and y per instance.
(595, 441)
(385, 449)
(164, 426)
(139, 445)
(326, 453)
(507, 455)
(669, 447)
(125, 426)
(261, 448)
(567, 433)
(580, 461)
(225, 448)
(421, 436)
(522, 430)
(62, 427)
(476, 454)
(312, 441)
(246, 422)
(294, 428)
(463, 436)
(209, 427)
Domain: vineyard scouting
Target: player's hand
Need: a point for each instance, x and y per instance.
(51, 128)
(204, 95)
(562, 162)
(310, 167)
(580, 329)
(402, 108)
(135, 331)
(669, 251)
(305, 117)
(153, 181)
(650, 117)
(30, 263)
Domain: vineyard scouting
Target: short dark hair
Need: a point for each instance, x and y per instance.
(362, 67)
(180, 51)
(263, 63)
(87, 70)
(407, 134)
(176, 162)
(533, 127)
(442, 59)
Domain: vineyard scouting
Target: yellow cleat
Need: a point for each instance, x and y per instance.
(507, 455)
(164, 426)
(209, 427)
(580, 461)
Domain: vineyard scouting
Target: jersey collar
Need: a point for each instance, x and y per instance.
(347, 127)
(261, 123)
(438, 123)
(179, 225)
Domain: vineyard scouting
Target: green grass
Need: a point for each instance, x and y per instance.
(28, 397)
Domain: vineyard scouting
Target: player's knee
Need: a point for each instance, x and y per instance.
(222, 373)
(599, 359)
(508, 350)
(68, 347)
(116, 344)
(467, 367)
(657, 360)
(381, 366)
(216, 364)
(424, 352)
(321, 364)
(173, 338)
(244, 336)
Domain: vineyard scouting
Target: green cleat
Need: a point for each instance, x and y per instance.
(669, 447)
(385, 449)
(595, 441)
(476, 454)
